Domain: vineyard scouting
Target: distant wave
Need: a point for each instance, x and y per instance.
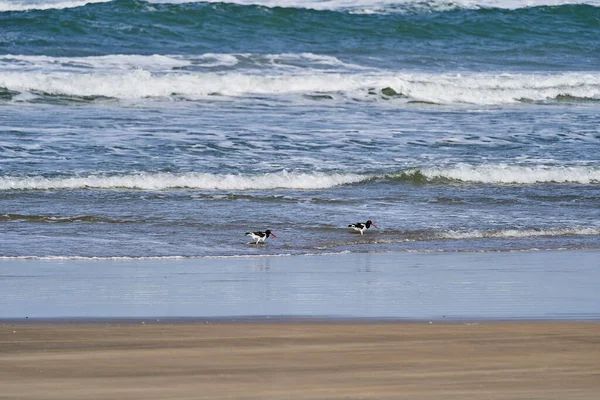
(27, 5)
(361, 6)
(54, 219)
(156, 62)
(488, 174)
(467, 88)
(374, 6)
(169, 63)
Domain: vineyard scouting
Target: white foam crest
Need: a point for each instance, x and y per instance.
(437, 88)
(155, 62)
(282, 60)
(513, 174)
(473, 88)
(27, 5)
(140, 84)
(91, 258)
(490, 89)
(160, 258)
(516, 4)
(378, 6)
(166, 62)
(218, 60)
(357, 6)
(192, 180)
(321, 59)
(520, 233)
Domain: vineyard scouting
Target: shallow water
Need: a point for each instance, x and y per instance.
(519, 285)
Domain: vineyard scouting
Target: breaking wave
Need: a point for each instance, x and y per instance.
(25, 5)
(358, 6)
(471, 88)
(202, 181)
(461, 173)
(169, 62)
(392, 5)
(519, 233)
(502, 174)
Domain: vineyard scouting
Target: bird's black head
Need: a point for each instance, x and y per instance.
(269, 233)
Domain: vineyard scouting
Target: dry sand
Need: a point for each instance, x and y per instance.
(344, 360)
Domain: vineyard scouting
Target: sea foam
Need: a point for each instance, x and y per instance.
(107, 63)
(512, 174)
(471, 88)
(360, 6)
(377, 6)
(25, 5)
(170, 62)
(519, 233)
(200, 181)
(487, 174)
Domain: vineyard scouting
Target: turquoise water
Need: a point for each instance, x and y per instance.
(169, 129)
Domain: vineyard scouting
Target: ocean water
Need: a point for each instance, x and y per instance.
(170, 128)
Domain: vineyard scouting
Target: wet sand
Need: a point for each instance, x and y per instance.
(551, 285)
(300, 360)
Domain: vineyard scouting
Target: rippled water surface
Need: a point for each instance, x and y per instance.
(169, 129)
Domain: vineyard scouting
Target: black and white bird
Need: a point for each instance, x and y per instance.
(260, 237)
(361, 227)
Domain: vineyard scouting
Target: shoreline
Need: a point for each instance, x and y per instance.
(554, 285)
(282, 320)
(294, 255)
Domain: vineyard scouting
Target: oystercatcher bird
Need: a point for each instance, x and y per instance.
(260, 236)
(360, 227)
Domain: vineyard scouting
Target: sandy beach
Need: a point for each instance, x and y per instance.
(300, 360)
(142, 141)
